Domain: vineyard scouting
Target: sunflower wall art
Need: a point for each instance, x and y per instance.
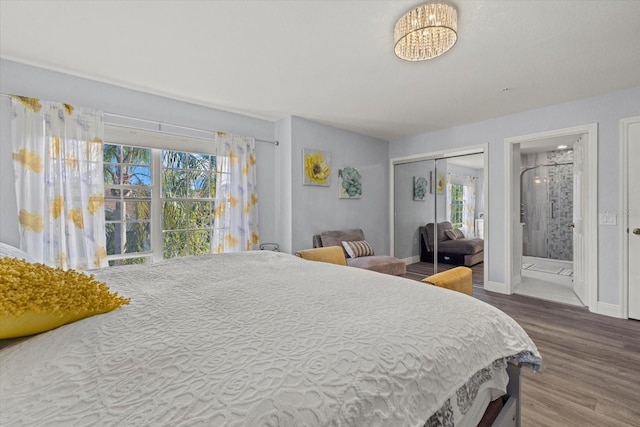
(442, 183)
(316, 167)
(350, 183)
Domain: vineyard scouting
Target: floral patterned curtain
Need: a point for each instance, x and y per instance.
(57, 158)
(236, 200)
(469, 203)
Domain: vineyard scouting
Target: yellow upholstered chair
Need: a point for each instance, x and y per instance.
(457, 279)
(330, 254)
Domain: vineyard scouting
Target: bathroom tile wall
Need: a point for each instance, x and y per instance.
(560, 234)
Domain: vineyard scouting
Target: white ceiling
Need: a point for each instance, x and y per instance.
(333, 61)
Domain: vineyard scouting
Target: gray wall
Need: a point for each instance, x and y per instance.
(317, 209)
(411, 214)
(25, 80)
(606, 110)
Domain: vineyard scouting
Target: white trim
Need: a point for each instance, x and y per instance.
(508, 235)
(392, 209)
(442, 154)
(437, 155)
(592, 222)
(501, 288)
(623, 224)
(486, 222)
(606, 309)
(157, 239)
(126, 135)
(591, 228)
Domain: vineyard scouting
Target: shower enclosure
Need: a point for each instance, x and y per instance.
(546, 195)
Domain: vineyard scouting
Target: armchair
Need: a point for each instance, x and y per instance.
(380, 263)
(462, 251)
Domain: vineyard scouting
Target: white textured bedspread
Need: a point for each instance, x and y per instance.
(252, 339)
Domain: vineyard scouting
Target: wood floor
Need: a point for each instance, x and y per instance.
(590, 372)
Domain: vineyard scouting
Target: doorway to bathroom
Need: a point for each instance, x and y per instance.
(546, 218)
(553, 199)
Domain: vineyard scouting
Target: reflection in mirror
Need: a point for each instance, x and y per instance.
(413, 205)
(430, 192)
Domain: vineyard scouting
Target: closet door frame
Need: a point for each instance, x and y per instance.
(443, 155)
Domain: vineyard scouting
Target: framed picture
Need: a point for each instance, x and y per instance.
(441, 184)
(316, 167)
(420, 184)
(350, 183)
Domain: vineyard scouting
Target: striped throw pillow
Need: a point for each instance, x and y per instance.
(454, 234)
(357, 249)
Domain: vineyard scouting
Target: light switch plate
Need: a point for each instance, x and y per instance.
(608, 219)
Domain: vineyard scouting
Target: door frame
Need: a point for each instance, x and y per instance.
(591, 221)
(623, 214)
(437, 155)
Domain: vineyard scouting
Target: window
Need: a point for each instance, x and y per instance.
(184, 197)
(128, 192)
(457, 205)
(188, 192)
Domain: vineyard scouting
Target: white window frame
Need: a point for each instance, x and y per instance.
(157, 140)
(122, 200)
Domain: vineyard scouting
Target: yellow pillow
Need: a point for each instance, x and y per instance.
(330, 254)
(35, 298)
(457, 279)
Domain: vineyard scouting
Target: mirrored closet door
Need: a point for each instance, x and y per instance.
(436, 202)
(414, 200)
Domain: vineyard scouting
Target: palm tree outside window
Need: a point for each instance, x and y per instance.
(187, 194)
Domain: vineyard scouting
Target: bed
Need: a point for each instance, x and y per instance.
(266, 338)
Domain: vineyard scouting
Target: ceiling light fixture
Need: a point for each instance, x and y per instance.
(562, 147)
(425, 32)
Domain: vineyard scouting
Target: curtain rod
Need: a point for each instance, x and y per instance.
(276, 143)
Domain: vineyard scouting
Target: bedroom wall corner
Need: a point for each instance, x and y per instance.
(316, 208)
(283, 171)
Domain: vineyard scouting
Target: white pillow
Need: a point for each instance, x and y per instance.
(13, 252)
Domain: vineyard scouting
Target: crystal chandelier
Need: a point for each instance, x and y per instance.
(425, 32)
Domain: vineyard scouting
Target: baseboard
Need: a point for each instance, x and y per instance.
(496, 287)
(411, 260)
(612, 310)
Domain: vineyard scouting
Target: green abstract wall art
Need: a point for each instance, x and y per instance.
(350, 183)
